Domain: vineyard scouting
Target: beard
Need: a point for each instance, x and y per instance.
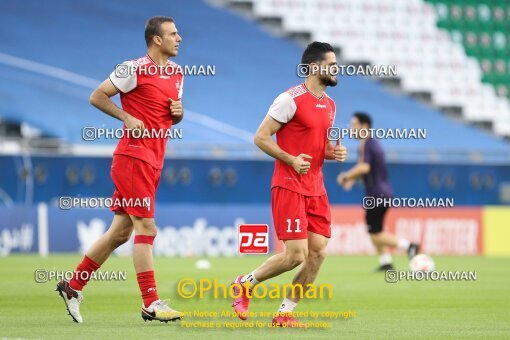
(328, 81)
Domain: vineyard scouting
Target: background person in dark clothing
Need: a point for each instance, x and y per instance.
(371, 167)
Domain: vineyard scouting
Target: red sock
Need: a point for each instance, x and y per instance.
(145, 279)
(147, 286)
(83, 273)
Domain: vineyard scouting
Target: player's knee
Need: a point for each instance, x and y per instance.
(296, 257)
(121, 238)
(148, 228)
(317, 256)
(118, 237)
(375, 236)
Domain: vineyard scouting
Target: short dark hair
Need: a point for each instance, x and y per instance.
(315, 52)
(153, 28)
(363, 118)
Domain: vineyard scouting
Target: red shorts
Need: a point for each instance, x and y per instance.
(294, 215)
(135, 186)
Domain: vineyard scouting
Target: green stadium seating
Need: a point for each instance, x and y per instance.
(483, 28)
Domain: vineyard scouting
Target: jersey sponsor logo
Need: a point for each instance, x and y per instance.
(253, 239)
(320, 106)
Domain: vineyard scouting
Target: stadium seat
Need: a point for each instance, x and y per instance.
(435, 44)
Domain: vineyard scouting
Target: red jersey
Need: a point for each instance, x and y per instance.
(144, 93)
(305, 120)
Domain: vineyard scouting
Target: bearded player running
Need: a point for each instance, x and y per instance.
(300, 118)
(151, 101)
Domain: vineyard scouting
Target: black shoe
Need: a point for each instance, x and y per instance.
(385, 267)
(413, 250)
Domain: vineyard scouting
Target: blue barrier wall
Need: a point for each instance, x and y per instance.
(18, 230)
(183, 230)
(45, 179)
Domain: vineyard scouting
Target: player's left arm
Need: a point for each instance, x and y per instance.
(176, 110)
(337, 152)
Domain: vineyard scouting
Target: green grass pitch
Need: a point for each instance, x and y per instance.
(383, 310)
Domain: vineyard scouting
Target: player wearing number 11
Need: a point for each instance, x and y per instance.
(300, 118)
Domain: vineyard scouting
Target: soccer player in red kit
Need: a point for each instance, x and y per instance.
(150, 91)
(300, 118)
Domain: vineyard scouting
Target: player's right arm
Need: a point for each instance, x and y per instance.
(123, 78)
(279, 113)
(101, 99)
